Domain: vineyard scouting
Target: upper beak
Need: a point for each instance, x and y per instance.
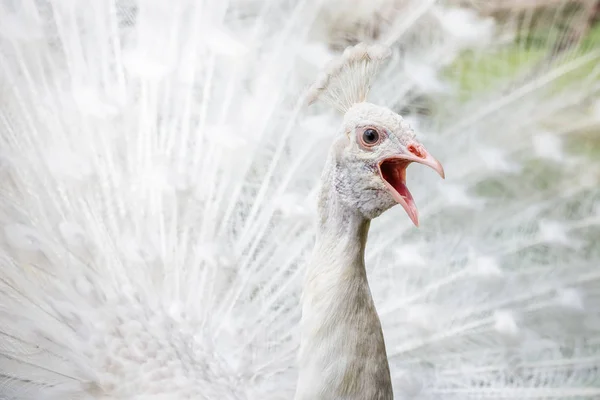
(430, 161)
(393, 172)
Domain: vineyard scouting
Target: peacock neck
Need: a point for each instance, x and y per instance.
(342, 353)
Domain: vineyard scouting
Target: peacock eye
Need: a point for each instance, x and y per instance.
(370, 137)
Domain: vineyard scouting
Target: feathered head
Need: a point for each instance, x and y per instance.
(370, 160)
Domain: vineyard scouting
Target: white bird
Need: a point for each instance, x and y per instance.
(158, 184)
(342, 355)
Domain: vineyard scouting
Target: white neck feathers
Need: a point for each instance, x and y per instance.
(342, 354)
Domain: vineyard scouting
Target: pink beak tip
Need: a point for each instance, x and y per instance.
(441, 172)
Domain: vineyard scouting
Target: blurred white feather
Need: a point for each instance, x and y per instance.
(156, 199)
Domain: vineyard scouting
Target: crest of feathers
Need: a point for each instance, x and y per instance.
(347, 79)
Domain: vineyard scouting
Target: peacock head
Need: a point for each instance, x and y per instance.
(371, 160)
(377, 145)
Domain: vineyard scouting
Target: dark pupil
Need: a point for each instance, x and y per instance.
(370, 136)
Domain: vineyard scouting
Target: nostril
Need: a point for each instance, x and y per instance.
(416, 149)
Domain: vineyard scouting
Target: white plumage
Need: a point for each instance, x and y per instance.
(158, 173)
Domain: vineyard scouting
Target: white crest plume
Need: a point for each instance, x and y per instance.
(347, 80)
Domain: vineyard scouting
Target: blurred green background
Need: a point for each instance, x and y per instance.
(549, 32)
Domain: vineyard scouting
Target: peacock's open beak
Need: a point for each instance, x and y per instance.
(393, 172)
